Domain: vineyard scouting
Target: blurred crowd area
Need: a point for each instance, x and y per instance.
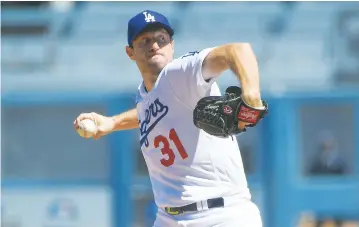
(309, 220)
(47, 43)
(59, 59)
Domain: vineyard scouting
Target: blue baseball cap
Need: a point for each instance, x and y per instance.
(144, 19)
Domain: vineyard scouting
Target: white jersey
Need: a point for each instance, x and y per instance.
(185, 163)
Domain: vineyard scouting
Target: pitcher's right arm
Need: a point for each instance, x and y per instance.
(106, 125)
(126, 120)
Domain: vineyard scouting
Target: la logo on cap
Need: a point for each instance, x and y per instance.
(149, 17)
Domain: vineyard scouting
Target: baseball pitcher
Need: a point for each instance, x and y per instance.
(187, 126)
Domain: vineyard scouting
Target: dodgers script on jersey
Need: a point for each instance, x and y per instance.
(185, 164)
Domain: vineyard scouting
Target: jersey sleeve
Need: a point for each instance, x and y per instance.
(186, 79)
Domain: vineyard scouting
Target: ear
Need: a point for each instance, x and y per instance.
(129, 52)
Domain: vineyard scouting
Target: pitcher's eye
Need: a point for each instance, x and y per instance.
(161, 39)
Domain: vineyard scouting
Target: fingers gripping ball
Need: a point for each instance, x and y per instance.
(87, 128)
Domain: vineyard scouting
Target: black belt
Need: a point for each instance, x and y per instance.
(211, 203)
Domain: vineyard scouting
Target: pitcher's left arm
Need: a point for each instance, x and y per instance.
(241, 60)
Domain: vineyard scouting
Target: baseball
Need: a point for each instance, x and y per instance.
(87, 128)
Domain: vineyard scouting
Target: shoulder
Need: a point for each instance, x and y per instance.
(183, 59)
(189, 55)
(192, 55)
(188, 60)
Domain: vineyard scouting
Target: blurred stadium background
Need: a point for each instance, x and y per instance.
(59, 59)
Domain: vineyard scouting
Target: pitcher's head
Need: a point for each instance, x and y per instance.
(150, 41)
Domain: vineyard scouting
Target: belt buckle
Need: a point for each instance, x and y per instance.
(169, 210)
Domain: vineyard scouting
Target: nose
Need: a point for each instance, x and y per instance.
(155, 47)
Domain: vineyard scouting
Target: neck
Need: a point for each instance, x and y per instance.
(148, 85)
(149, 80)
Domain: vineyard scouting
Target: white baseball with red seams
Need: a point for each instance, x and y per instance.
(87, 128)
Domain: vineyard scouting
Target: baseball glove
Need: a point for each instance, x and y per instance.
(219, 115)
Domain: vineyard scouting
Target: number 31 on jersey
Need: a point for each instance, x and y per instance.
(163, 143)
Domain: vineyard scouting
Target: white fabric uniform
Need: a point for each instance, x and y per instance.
(185, 164)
